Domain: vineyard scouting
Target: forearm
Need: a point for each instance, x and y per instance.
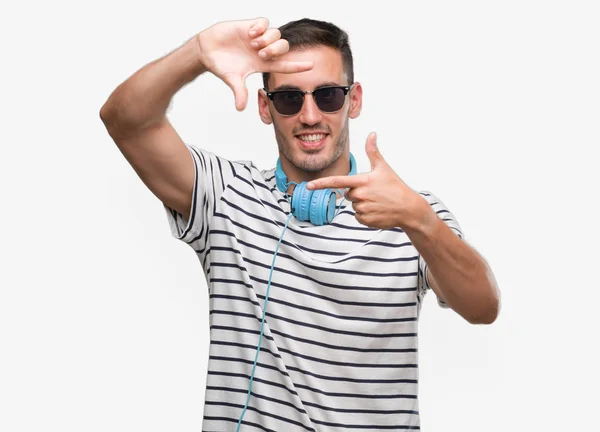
(143, 99)
(461, 277)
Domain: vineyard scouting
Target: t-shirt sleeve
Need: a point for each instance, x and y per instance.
(443, 213)
(212, 175)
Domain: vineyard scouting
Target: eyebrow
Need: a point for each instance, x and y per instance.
(292, 87)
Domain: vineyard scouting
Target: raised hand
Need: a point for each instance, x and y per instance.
(379, 198)
(232, 50)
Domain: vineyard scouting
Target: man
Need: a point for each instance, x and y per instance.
(316, 273)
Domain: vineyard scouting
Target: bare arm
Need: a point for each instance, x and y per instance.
(457, 273)
(135, 113)
(135, 117)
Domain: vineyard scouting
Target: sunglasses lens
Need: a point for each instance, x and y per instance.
(330, 99)
(288, 102)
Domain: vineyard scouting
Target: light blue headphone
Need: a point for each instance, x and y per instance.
(315, 206)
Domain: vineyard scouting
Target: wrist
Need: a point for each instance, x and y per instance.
(196, 43)
(193, 49)
(423, 218)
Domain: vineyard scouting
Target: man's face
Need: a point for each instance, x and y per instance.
(312, 140)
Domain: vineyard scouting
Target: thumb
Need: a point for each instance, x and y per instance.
(240, 92)
(373, 153)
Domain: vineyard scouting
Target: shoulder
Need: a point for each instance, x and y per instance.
(235, 171)
(239, 167)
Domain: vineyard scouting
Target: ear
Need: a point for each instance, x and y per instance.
(355, 100)
(263, 107)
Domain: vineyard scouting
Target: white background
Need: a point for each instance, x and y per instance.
(493, 106)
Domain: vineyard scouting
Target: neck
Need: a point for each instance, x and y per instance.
(340, 167)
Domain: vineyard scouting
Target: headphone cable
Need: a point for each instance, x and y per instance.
(262, 326)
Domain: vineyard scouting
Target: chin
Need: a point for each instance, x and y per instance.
(311, 158)
(312, 161)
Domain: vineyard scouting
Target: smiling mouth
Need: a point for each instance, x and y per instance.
(312, 139)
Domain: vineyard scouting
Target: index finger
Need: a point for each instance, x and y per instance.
(336, 182)
(287, 66)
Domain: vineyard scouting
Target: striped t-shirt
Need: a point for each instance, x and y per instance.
(340, 349)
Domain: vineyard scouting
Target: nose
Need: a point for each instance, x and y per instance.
(310, 113)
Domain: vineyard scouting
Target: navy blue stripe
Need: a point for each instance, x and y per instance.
(342, 287)
(329, 346)
(365, 427)
(319, 376)
(312, 389)
(358, 411)
(317, 406)
(199, 236)
(314, 326)
(285, 201)
(310, 294)
(250, 362)
(244, 422)
(357, 228)
(317, 311)
(270, 253)
(316, 359)
(264, 185)
(302, 276)
(331, 270)
(323, 269)
(261, 202)
(221, 174)
(358, 395)
(233, 171)
(363, 350)
(350, 364)
(281, 223)
(285, 242)
(353, 380)
(195, 197)
(212, 177)
(256, 379)
(251, 408)
(365, 242)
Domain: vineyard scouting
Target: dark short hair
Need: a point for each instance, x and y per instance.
(309, 33)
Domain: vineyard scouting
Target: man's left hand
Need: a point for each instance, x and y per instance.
(380, 198)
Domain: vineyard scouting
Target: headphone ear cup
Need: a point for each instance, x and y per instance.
(322, 207)
(301, 200)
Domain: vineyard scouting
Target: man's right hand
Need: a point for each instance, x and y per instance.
(232, 50)
(135, 113)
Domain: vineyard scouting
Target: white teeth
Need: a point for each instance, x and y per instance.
(313, 137)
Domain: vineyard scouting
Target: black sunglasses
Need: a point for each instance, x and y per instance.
(328, 99)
